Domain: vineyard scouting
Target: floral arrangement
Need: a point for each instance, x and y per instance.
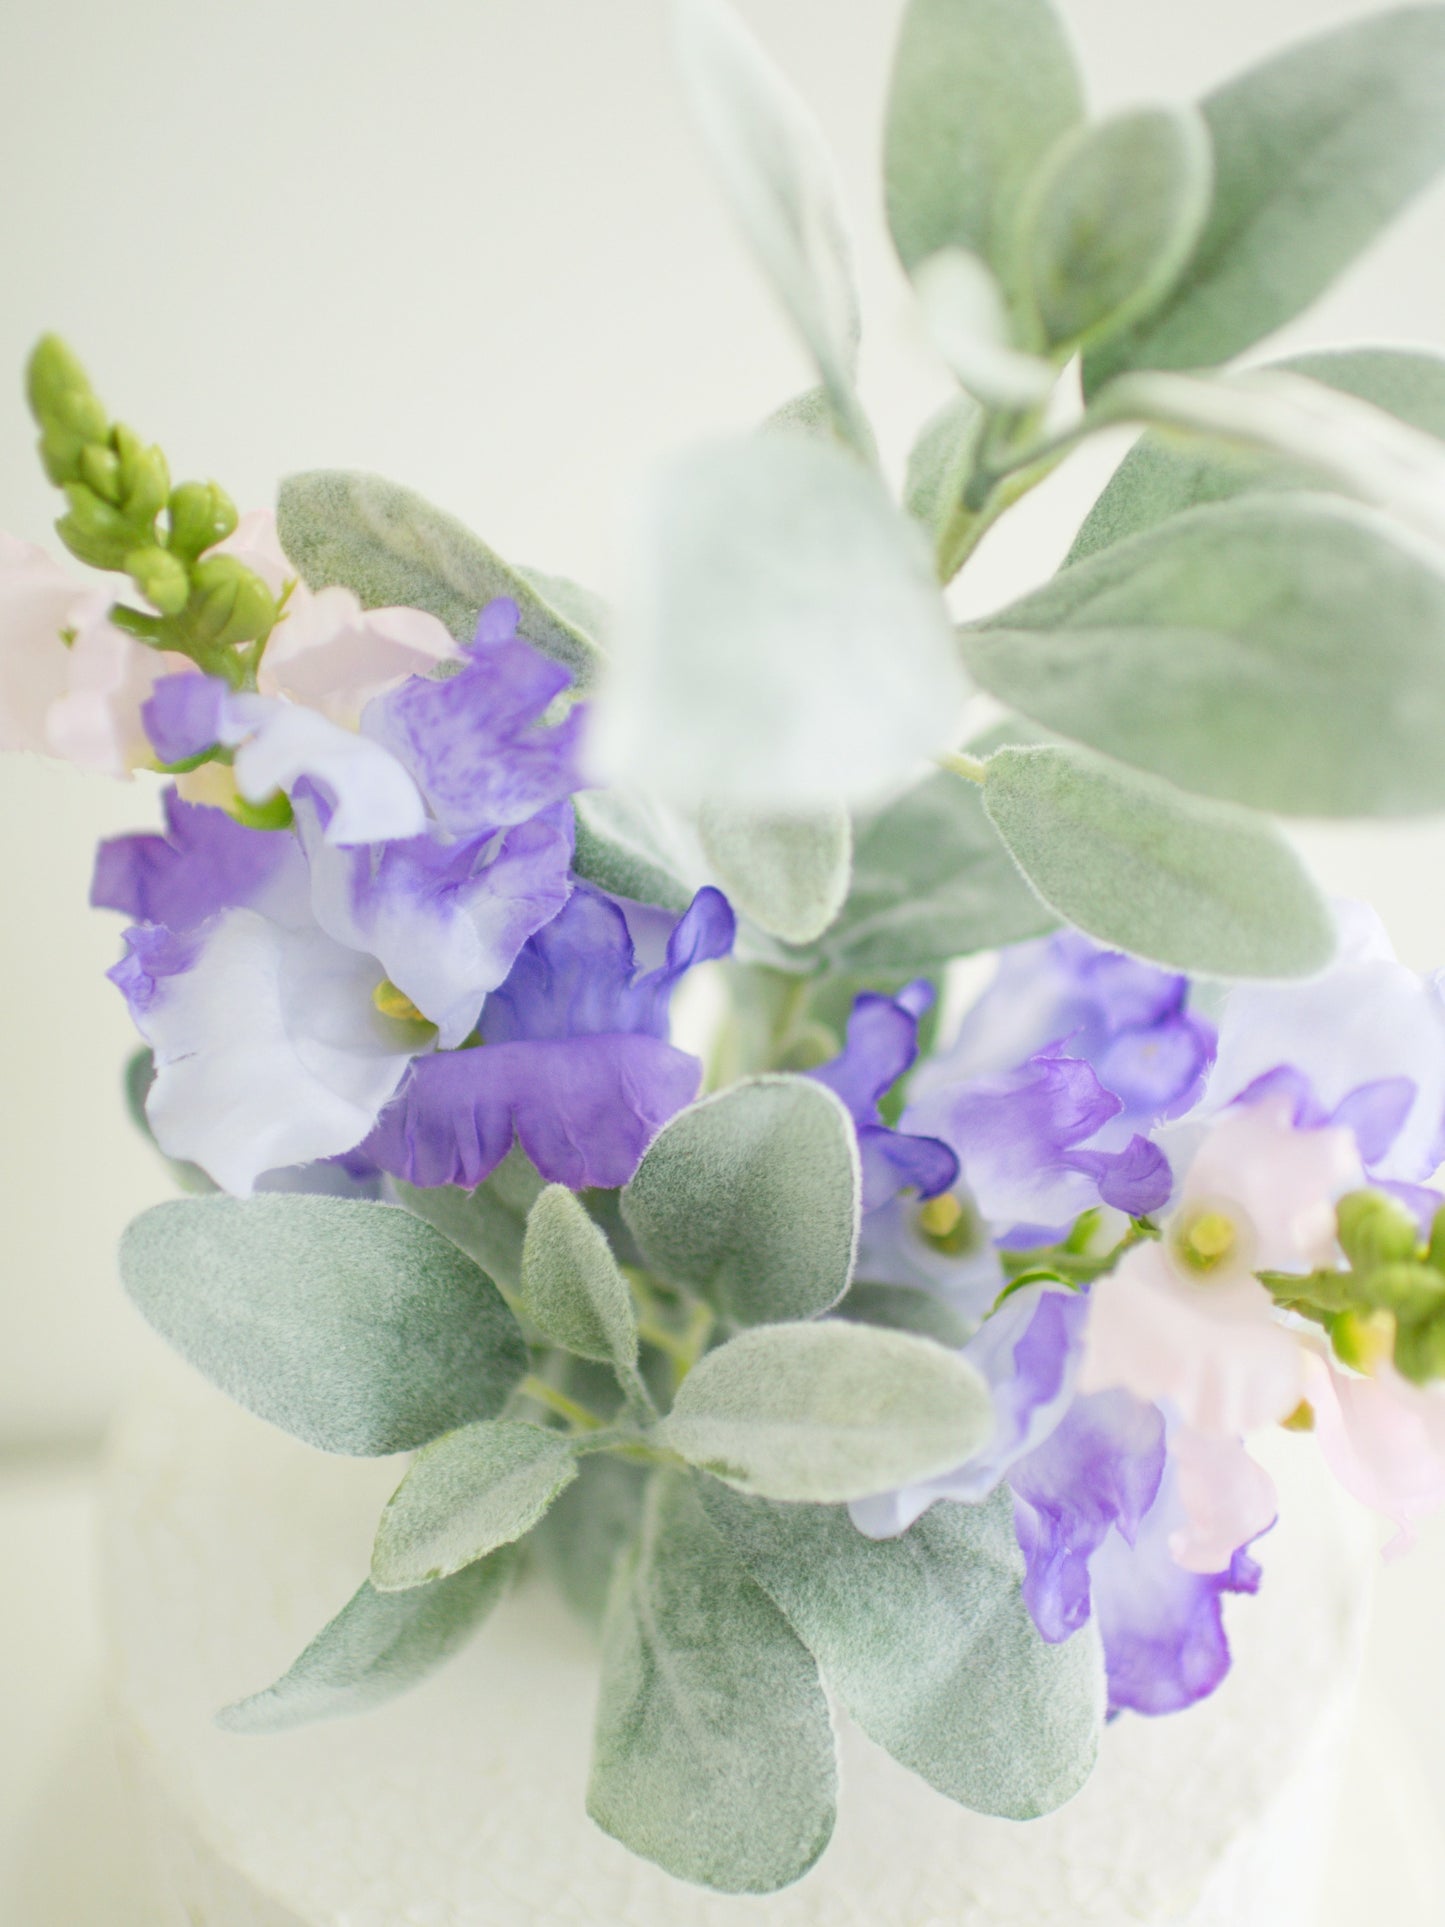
(902, 1354)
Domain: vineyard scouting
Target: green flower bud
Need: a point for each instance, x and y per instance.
(100, 471)
(1364, 1339)
(1420, 1349)
(1374, 1230)
(59, 392)
(93, 530)
(145, 478)
(1435, 1251)
(201, 514)
(230, 604)
(161, 579)
(274, 814)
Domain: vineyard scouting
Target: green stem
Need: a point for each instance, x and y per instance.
(972, 768)
(544, 1394)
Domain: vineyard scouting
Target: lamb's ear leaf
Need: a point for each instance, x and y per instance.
(713, 1753)
(928, 1644)
(488, 1224)
(981, 90)
(352, 1325)
(1163, 475)
(1315, 152)
(751, 1199)
(379, 1645)
(464, 1496)
(392, 548)
(1281, 651)
(572, 1290)
(582, 1537)
(774, 166)
(786, 869)
(1190, 884)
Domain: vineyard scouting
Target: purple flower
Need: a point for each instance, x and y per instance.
(881, 1045)
(1028, 1144)
(475, 742)
(204, 861)
(185, 716)
(1063, 995)
(574, 1062)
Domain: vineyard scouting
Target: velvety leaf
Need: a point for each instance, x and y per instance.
(713, 1753)
(827, 1412)
(968, 322)
(939, 466)
(928, 1644)
(1163, 476)
(810, 413)
(751, 1198)
(631, 845)
(931, 882)
(489, 1224)
(773, 164)
(378, 1645)
(352, 1325)
(1283, 651)
(1315, 152)
(981, 90)
(785, 641)
(1114, 217)
(581, 1538)
(788, 871)
(392, 548)
(572, 1289)
(466, 1494)
(1190, 884)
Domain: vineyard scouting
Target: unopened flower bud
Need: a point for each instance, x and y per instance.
(1374, 1231)
(233, 604)
(1364, 1339)
(100, 471)
(201, 514)
(145, 478)
(59, 392)
(93, 530)
(161, 579)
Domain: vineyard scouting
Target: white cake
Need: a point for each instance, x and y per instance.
(226, 1546)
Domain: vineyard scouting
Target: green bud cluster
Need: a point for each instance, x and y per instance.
(123, 514)
(1390, 1300)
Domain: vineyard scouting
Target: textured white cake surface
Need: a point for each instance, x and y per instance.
(226, 1546)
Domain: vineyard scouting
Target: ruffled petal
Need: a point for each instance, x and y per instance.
(374, 799)
(204, 861)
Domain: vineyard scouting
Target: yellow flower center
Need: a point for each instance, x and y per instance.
(392, 1002)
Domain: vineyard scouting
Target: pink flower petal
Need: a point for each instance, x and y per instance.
(1228, 1499)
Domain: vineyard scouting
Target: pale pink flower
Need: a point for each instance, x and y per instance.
(1228, 1498)
(327, 652)
(1382, 1437)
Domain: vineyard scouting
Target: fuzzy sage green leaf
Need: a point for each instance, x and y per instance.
(1315, 152)
(981, 90)
(784, 642)
(582, 1536)
(827, 1412)
(1283, 652)
(1163, 476)
(378, 1645)
(572, 1289)
(1190, 884)
(353, 1326)
(478, 1488)
(751, 1198)
(490, 1223)
(633, 846)
(713, 1753)
(931, 882)
(788, 871)
(928, 1644)
(1113, 217)
(773, 164)
(390, 547)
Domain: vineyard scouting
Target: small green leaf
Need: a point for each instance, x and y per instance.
(713, 1754)
(378, 1645)
(981, 90)
(391, 548)
(1162, 475)
(572, 1289)
(353, 1326)
(968, 322)
(465, 1495)
(1189, 884)
(1282, 651)
(773, 164)
(927, 1642)
(580, 1540)
(931, 882)
(1114, 216)
(827, 1412)
(785, 641)
(489, 1224)
(940, 464)
(788, 871)
(751, 1198)
(1315, 152)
